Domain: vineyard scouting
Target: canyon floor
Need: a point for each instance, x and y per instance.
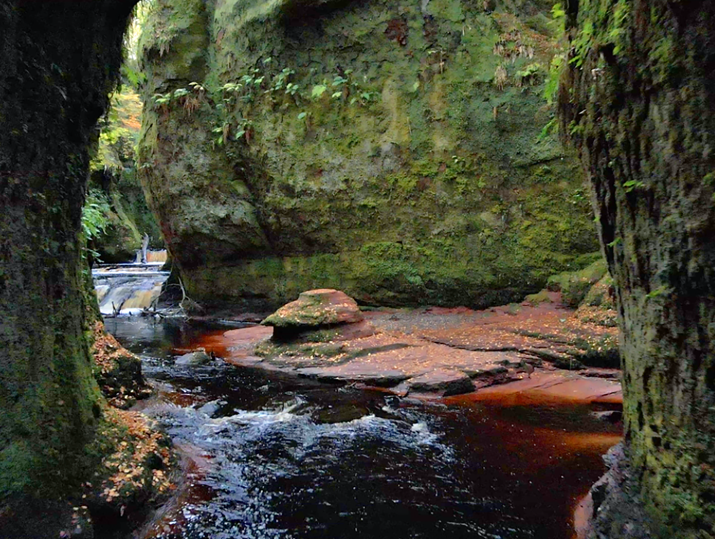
(518, 352)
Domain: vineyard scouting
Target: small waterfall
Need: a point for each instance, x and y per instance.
(128, 289)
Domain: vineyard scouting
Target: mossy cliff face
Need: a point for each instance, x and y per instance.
(388, 149)
(115, 192)
(53, 88)
(638, 100)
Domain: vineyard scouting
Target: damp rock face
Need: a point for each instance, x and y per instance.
(314, 310)
(117, 371)
(645, 130)
(53, 89)
(390, 149)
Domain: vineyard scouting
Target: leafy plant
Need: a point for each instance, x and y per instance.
(551, 87)
(551, 127)
(318, 91)
(528, 74)
(94, 219)
(631, 185)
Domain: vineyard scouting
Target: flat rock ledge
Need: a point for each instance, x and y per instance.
(453, 353)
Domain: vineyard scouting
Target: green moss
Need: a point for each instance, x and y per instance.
(432, 190)
(538, 298)
(113, 180)
(574, 286)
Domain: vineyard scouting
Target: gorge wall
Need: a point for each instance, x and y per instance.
(638, 100)
(52, 91)
(389, 149)
(116, 207)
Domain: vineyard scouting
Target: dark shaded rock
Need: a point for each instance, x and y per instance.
(638, 101)
(618, 510)
(117, 371)
(54, 85)
(443, 381)
(609, 416)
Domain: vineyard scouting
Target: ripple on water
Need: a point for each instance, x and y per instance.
(264, 461)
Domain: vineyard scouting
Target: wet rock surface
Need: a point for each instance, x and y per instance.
(117, 371)
(200, 357)
(442, 352)
(613, 506)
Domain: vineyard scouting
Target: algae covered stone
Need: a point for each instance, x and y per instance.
(315, 309)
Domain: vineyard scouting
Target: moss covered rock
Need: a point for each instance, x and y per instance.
(314, 309)
(598, 307)
(117, 371)
(637, 100)
(388, 149)
(574, 286)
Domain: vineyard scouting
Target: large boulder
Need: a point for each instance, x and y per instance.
(314, 310)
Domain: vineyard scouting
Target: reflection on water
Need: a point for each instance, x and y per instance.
(284, 457)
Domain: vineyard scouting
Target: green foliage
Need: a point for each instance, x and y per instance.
(558, 14)
(233, 101)
(94, 215)
(607, 26)
(552, 80)
(529, 74)
(551, 127)
(318, 91)
(631, 185)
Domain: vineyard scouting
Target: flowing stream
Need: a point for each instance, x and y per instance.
(128, 289)
(282, 457)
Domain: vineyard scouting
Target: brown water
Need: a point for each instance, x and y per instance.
(278, 456)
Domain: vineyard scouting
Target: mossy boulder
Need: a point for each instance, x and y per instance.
(574, 286)
(538, 298)
(312, 311)
(388, 149)
(599, 307)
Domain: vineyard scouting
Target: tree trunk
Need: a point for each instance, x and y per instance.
(58, 63)
(638, 100)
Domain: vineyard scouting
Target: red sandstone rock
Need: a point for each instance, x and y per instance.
(314, 309)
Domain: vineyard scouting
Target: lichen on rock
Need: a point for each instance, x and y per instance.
(318, 315)
(314, 309)
(637, 101)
